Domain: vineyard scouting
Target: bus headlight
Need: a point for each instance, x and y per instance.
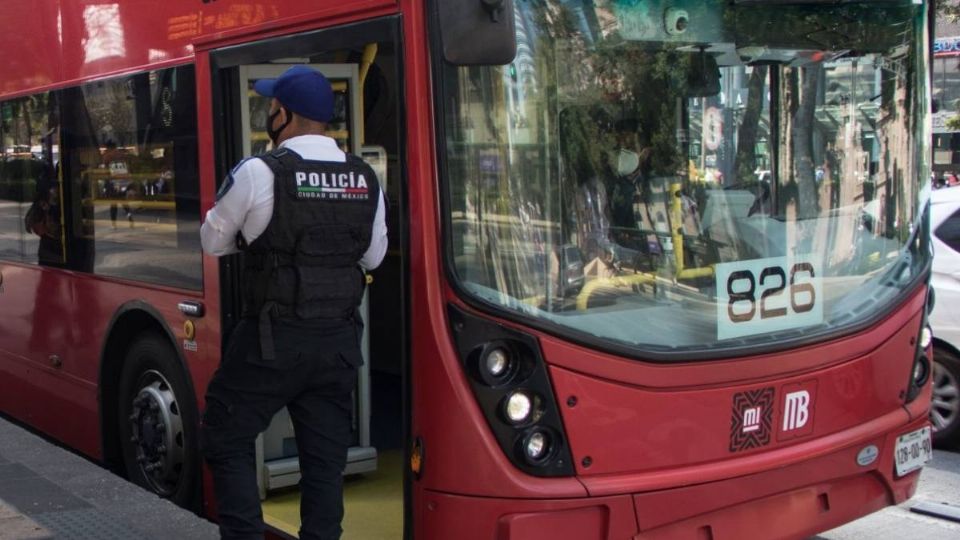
(497, 365)
(921, 370)
(496, 362)
(518, 407)
(536, 446)
(926, 337)
(511, 384)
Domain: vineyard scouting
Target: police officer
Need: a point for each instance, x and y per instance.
(309, 220)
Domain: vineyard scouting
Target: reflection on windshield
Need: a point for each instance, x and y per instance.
(753, 175)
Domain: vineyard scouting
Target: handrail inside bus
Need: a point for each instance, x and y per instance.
(644, 278)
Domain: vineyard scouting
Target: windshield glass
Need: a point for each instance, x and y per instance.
(690, 176)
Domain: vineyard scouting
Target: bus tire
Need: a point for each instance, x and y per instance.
(945, 409)
(159, 422)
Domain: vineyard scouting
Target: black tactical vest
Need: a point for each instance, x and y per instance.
(304, 265)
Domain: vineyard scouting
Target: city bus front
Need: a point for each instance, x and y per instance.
(686, 250)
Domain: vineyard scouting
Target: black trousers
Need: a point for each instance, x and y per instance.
(313, 375)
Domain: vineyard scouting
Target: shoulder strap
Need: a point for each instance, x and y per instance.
(280, 160)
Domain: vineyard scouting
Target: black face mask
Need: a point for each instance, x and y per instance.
(275, 133)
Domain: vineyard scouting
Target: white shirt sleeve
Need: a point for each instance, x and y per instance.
(218, 234)
(378, 238)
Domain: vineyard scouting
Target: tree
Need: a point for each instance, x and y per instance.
(950, 9)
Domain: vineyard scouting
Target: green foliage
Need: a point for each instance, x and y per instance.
(953, 123)
(949, 9)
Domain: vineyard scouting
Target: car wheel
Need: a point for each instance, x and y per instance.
(945, 408)
(158, 422)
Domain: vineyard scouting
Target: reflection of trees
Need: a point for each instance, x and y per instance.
(804, 104)
(110, 105)
(27, 118)
(746, 160)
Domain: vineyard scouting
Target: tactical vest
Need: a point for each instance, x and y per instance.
(304, 265)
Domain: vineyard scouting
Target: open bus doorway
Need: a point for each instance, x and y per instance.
(366, 80)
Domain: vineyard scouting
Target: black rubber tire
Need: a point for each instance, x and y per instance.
(151, 354)
(947, 437)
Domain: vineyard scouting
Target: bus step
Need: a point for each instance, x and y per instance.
(285, 472)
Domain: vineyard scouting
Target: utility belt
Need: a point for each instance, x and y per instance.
(301, 293)
(271, 312)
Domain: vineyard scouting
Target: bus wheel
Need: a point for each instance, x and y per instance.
(945, 409)
(159, 422)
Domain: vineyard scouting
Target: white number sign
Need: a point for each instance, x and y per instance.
(768, 295)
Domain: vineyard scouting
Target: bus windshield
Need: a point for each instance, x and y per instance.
(685, 179)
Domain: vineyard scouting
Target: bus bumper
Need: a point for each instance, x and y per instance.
(794, 501)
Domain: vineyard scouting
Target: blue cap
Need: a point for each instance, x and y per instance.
(301, 89)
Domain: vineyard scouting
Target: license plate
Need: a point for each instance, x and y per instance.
(913, 450)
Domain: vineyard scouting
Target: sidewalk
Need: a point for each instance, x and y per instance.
(47, 492)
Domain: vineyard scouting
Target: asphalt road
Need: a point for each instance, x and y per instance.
(939, 483)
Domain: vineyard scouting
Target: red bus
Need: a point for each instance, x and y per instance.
(657, 268)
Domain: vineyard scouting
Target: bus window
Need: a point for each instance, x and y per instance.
(31, 222)
(691, 172)
(132, 169)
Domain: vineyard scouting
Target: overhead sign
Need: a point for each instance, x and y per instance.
(947, 46)
(712, 128)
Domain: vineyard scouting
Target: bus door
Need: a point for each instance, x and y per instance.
(365, 74)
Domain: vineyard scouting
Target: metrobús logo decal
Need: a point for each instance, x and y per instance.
(799, 402)
(751, 420)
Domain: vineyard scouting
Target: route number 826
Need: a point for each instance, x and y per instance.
(772, 284)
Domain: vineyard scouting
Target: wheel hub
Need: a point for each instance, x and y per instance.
(945, 407)
(157, 433)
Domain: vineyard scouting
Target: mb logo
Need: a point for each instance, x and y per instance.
(797, 411)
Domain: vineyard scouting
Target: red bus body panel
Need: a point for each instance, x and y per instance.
(628, 429)
(790, 502)
(55, 42)
(666, 446)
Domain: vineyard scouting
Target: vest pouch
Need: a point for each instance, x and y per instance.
(329, 284)
(328, 293)
(331, 245)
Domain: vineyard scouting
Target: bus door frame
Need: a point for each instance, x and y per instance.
(218, 64)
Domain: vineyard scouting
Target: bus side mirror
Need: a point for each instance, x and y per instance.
(477, 32)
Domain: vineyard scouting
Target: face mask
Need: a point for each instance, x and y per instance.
(275, 133)
(624, 161)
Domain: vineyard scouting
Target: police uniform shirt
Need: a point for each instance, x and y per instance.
(245, 202)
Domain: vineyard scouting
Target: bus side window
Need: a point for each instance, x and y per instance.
(132, 170)
(30, 219)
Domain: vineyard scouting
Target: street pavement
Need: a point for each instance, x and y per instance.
(48, 492)
(939, 483)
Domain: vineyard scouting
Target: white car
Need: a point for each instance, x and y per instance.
(945, 318)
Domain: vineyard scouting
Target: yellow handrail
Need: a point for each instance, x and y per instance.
(628, 280)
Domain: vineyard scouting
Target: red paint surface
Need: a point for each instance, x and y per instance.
(631, 429)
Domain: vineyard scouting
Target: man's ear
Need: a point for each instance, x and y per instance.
(287, 115)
